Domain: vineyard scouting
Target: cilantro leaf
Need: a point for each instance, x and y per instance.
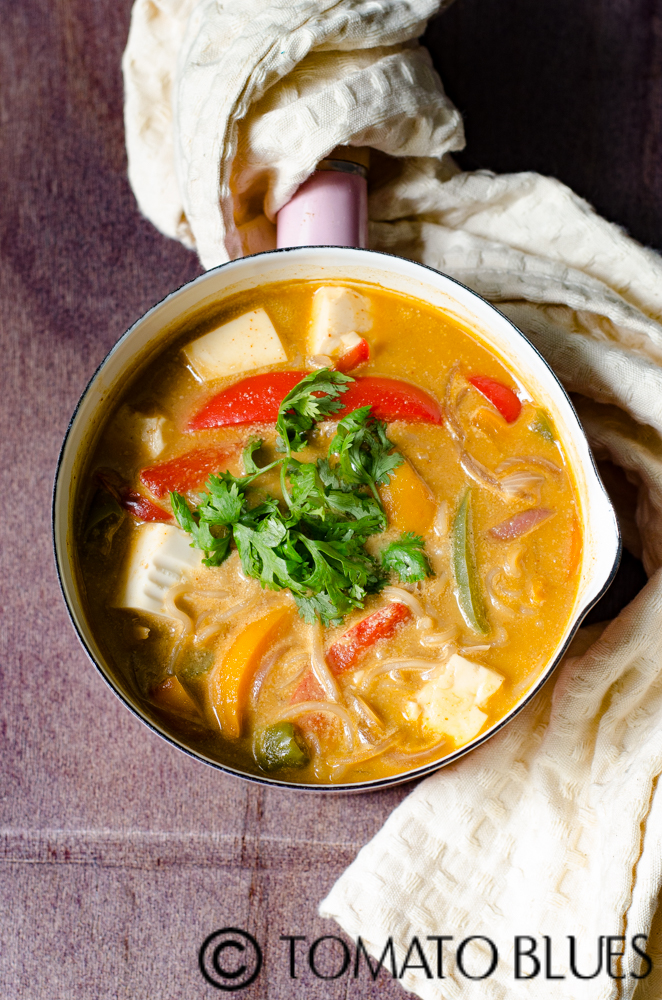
(407, 558)
(302, 408)
(365, 454)
(216, 547)
(223, 503)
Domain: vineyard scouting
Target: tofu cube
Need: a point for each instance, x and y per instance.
(142, 433)
(160, 558)
(451, 703)
(247, 342)
(339, 316)
(151, 435)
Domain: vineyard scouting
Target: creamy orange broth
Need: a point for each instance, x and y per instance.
(533, 579)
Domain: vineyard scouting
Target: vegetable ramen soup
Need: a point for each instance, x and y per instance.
(327, 536)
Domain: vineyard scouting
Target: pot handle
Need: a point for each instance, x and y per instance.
(331, 207)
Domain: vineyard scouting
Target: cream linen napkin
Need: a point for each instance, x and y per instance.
(554, 827)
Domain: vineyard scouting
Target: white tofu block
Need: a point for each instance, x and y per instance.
(160, 558)
(247, 342)
(450, 702)
(144, 433)
(151, 435)
(339, 316)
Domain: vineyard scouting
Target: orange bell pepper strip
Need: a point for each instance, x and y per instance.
(171, 696)
(408, 501)
(230, 681)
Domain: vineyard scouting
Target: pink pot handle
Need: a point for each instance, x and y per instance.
(329, 209)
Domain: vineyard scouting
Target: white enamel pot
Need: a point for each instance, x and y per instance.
(158, 327)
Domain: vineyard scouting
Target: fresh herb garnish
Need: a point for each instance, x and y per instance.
(316, 547)
(407, 558)
(302, 407)
(365, 454)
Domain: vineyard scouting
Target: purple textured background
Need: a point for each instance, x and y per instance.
(118, 854)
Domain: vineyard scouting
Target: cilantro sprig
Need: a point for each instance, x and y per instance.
(303, 407)
(314, 542)
(365, 454)
(407, 558)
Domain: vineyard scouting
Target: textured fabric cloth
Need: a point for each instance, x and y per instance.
(554, 827)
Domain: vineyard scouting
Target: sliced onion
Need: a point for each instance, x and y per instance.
(521, 523)
(477, 471)
(543, 463)
(524, 484)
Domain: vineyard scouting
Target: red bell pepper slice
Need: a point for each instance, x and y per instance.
(186, 471)
(351, 359)
(503, 398)
(381, 624)
(142, 507)
(255, 400)
(390, 400)
(137, 504)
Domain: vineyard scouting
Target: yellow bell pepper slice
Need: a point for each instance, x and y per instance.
(230, 681)
(408, 501)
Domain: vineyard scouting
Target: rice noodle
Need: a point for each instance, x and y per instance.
(409, 757)
(495, 601)
(439, 638)
(397, 666)
(441, 526)
(293, 678)
(219, 620)
(313, 707)
(468, 650)
(512, 564)
(360, 757)
(175, 653)
(362, 708)
(171, 609)
(319, 665)
(396, 595)
(217, 595)
(264, 670)
(501, 637)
